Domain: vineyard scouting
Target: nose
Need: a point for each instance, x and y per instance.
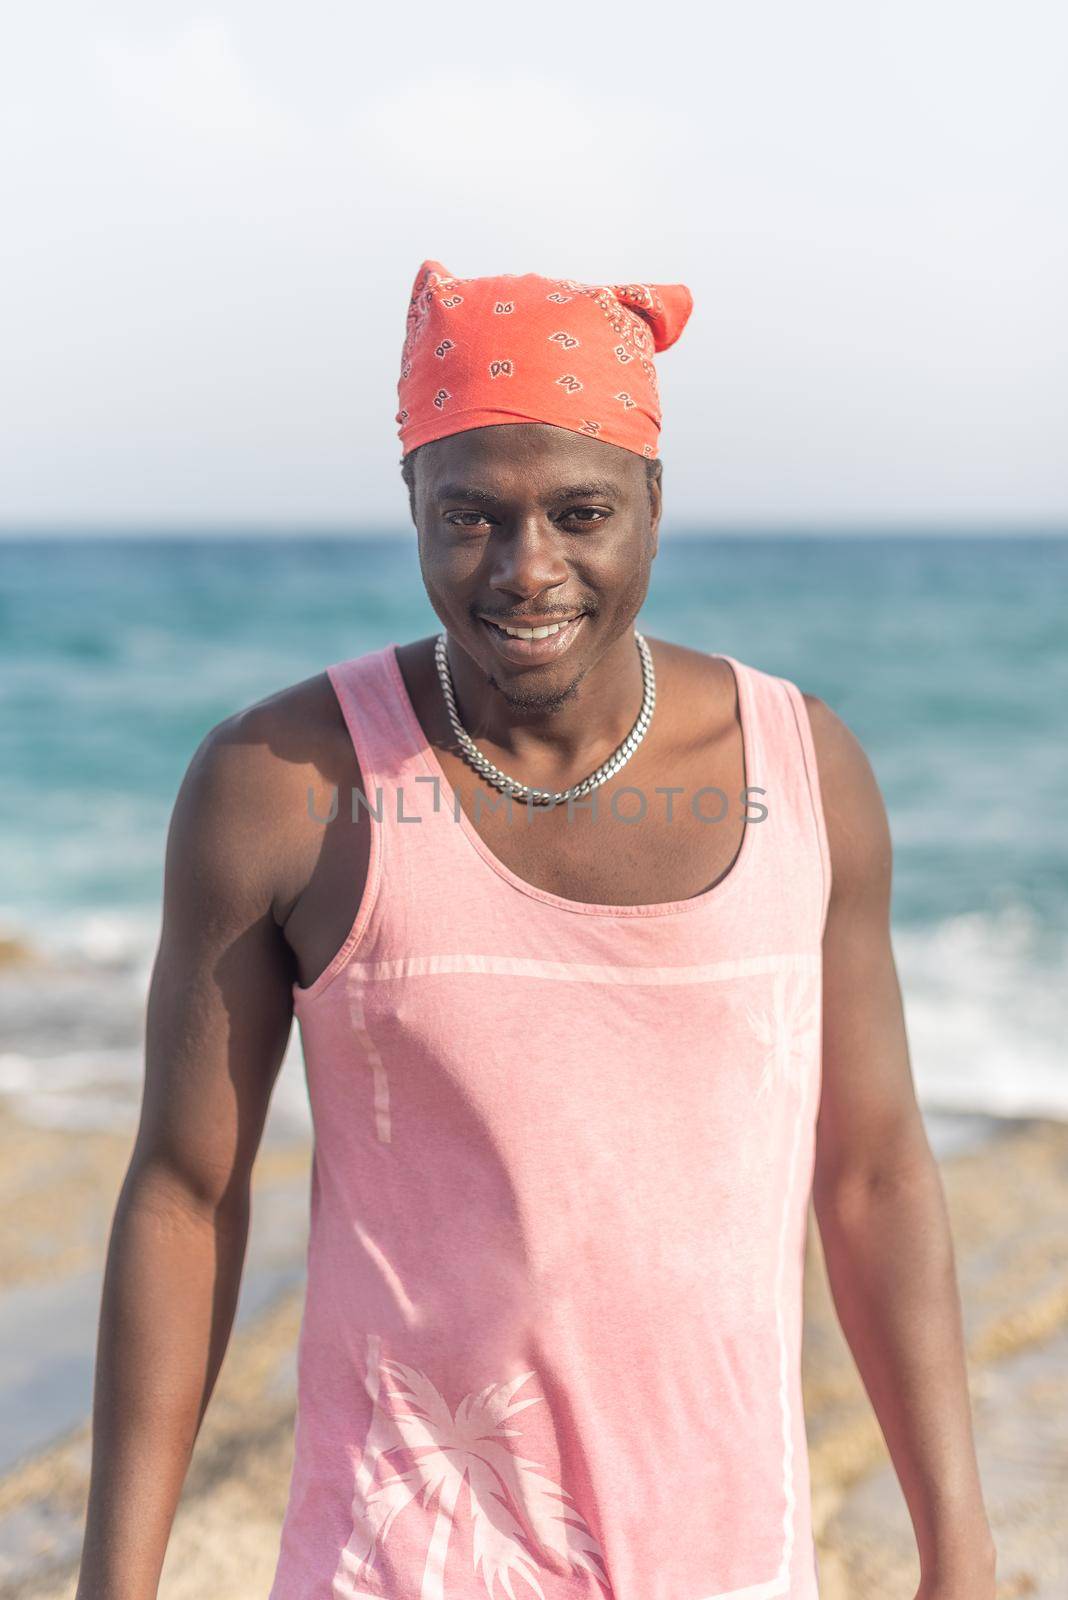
(528, 563)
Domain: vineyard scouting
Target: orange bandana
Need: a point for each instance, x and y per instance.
(480, 351)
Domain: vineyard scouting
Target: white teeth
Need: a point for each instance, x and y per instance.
(532, 633)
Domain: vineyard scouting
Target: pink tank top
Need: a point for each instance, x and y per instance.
(563, 1154)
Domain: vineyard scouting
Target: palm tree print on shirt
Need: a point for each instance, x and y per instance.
(788, 1028)
(432, 1450)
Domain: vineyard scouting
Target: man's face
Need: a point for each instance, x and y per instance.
(528, 524)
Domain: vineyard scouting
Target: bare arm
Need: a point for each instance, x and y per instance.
(218, 1019)
(878, 1196)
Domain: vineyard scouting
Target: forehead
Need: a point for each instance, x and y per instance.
(514, 458)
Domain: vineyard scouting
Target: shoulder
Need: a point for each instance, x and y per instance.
(262, 749)
(246, 808)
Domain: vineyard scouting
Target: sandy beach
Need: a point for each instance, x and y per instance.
(1007, 1189)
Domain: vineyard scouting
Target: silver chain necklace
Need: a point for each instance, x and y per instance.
(543, 797)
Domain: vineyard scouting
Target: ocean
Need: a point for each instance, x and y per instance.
(947, 655)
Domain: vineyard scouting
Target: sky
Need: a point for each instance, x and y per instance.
(212, 220)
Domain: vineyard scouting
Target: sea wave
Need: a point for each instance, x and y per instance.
(986, 1008)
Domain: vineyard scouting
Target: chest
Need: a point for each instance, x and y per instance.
(660, 830)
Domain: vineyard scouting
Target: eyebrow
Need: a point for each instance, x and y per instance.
(574, 491)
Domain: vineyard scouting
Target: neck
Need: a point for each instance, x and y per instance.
(551, 738)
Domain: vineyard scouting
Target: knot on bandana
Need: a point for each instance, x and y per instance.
(523, 348)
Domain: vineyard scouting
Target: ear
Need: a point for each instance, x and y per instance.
(656, 496)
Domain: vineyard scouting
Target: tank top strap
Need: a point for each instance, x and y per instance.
(794, 854)
(402, 787)
(386, 744)
(818, 821)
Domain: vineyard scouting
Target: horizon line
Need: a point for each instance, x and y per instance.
(859, 528)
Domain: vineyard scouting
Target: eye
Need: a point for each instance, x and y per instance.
(477, 515)
(589, 516)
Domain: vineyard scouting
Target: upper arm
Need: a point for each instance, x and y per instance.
(869, 1123)
(220, 1004)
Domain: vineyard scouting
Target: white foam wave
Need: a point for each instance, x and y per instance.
(986, 1007)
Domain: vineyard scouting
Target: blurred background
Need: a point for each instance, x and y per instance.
(212, 223)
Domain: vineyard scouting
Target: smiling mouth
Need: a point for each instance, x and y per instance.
(532, 642)
(539, 630)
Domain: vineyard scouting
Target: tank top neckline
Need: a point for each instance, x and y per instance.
(741, 864)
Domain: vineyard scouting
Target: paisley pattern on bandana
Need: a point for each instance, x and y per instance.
(575, 355)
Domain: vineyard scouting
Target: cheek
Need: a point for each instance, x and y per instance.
(449, 567)
(626, 565)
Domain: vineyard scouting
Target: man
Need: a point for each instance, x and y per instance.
(576, 1058)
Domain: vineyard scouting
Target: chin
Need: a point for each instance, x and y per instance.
(522, 695)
